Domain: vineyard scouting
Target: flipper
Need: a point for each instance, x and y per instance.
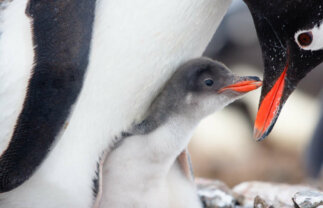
(61, 36)
(185, 164)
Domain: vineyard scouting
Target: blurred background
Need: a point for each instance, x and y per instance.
(223, 147)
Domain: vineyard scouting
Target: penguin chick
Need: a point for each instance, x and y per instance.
(140, 172)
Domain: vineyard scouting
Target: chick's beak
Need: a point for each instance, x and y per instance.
(243, 85)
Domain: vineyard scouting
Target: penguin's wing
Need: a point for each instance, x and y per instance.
(185, 163)
(61, 38)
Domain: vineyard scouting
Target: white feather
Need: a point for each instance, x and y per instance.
(16, 59)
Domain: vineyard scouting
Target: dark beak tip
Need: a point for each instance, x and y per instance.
(259, 136)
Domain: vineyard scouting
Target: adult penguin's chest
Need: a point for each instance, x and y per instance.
(134, 48)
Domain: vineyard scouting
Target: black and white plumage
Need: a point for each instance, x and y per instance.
(68, 72)
(140, 172)
(290, 33)
(53, 87)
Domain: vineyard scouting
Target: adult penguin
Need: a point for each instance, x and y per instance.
(75, 74)
(290, 33)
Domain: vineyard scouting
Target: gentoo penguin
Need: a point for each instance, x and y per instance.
(75, 74)
(136, 172)
(291, 36)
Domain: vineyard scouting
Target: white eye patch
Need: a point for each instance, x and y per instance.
(311, 39)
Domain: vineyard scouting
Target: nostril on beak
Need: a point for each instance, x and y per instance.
(254, 78)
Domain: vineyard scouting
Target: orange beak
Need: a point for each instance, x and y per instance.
(243, 86)
(269, 108)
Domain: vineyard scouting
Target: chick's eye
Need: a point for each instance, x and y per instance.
(305, 39)
(208, 82)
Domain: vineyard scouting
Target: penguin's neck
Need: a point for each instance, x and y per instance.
(168, 140)
(163, 145)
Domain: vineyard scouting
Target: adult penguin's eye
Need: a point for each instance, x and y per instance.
(209, 82)
(305, 39)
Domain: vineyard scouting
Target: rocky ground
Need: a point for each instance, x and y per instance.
(216, 194)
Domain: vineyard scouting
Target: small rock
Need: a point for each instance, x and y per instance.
(261, 203)
(308, 199)
(215, 194)
(275, 195)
